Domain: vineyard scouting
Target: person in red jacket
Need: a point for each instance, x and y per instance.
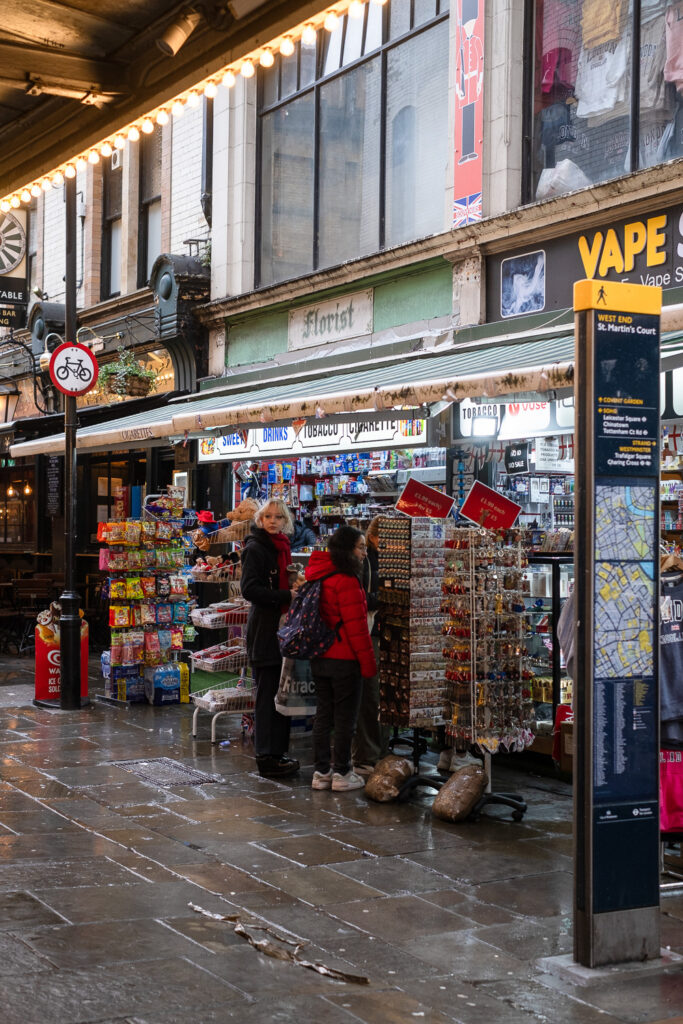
(338, 674)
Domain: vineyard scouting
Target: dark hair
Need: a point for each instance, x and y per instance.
(340, 546)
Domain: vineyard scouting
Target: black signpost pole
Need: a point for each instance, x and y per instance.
(616, 708)
(70, 623)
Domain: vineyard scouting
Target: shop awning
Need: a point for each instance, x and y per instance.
(536, 366)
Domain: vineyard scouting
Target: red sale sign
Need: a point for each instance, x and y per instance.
(488, 508)
(419, 499)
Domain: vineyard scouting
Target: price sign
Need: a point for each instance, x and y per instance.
(73, 369)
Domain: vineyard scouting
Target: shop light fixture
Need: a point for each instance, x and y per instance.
(307, 32)
(28, 489)
(11, 492)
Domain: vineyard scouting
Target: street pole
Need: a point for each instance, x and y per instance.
(70, 623)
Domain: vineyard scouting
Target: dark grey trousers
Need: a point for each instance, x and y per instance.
(338, 691)
(271, 729)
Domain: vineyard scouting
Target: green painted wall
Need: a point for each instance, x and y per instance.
(403, 300)
(257, 339)
(414, 297)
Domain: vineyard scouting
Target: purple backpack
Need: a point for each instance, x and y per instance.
(304, 633)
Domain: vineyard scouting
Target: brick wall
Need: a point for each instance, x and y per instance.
(187, 218)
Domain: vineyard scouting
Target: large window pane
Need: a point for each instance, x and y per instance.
(332, 48)
(373, 31)
(425, 10)
(287, 147)
(349, 165)
(582, 94)
(417, 136)
(661, 112)
(115, 257)
(153, 234)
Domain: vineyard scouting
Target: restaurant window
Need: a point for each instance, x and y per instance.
(149, 228)
(596, 113)
(17, 504)
(111, 225)
(353, 137)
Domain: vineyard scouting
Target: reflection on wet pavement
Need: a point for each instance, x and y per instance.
(98, 869)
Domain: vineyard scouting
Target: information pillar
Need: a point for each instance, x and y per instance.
(616, 794)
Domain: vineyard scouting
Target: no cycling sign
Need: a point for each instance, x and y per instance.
(73, 369)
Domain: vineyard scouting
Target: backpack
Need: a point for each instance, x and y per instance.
(304, 633)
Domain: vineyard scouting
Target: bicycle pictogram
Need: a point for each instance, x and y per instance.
(76, 368)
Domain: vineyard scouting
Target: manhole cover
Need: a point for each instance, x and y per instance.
(162, 771)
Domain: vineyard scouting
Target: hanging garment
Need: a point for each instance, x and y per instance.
(671, 791)
(602, 79)
(671, 658)
(673, 69)
(602, 22)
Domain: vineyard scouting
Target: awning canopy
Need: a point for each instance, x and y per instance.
(535, 367)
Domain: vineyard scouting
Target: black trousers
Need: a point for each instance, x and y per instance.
(338, 691)
(271, 729)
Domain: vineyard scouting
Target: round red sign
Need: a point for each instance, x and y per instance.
(73, 369)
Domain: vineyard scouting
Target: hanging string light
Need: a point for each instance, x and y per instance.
(264, 55)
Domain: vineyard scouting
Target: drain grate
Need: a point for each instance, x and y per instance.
(164, 772)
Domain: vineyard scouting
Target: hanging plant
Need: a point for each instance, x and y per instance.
(126, 376)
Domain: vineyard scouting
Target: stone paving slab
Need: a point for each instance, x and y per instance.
(448, 923)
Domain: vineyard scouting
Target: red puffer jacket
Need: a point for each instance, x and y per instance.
(342, 599)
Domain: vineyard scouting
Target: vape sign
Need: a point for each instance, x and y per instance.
(73, 369)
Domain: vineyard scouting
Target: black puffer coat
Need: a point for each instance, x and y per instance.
(260, 584)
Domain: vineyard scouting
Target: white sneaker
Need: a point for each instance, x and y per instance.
(340, 783)
(322, 780)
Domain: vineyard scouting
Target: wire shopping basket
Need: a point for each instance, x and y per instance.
(224, 698)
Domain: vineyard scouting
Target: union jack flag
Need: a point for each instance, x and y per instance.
(467, 210)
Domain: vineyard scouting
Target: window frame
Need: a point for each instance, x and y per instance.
(144, 204)
(108, 221)
(387, 45)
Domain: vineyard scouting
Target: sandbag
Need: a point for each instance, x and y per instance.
(458, 797)
(387, 778)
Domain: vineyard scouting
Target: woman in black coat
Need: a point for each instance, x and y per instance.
(264, 582)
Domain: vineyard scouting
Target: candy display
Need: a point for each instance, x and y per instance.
(412, 554)
(150, 608)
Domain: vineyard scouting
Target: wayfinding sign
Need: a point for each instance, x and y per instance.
(616, 913)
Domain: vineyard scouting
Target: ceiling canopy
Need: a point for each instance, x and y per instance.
(74, 72)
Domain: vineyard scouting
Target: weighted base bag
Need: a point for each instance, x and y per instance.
(386, 780)
(458, 797)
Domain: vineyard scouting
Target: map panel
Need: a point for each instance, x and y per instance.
(624, 523)
(624, 624)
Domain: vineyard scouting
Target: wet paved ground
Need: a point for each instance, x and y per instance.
(448, 922)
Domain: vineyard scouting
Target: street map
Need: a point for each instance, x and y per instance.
(624, 587)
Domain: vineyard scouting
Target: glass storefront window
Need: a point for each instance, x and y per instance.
(17, 506)
(595, 116)
(345, 126)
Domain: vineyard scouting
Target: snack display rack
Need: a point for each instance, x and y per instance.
(484, 588)
(149, 611)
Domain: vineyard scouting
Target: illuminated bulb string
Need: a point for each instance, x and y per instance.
(307, 32)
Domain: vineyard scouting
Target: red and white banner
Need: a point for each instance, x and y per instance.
(469, 112)
(418, 499)
(488, 508)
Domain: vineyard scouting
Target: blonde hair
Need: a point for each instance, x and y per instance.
(282, 510)
(372, 532)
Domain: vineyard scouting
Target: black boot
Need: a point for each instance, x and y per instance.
(277, 767)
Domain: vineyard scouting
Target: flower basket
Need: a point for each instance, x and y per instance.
(126, 377)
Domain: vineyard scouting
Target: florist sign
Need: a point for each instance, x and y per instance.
(348, 316)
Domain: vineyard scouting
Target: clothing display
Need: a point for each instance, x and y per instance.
(671, 660)
(673, 68)
(602, 79)
(601, 22)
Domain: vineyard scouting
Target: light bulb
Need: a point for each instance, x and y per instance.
(46, 184)
(35, 189)
(119, 142)
(228, 79)
(309, 35)
(162, 117)
(356, 9)
(133, 133)
(193, 99)
(380, 3)
(147, 126)
(58, 178)
(93, 157)
(266, 60)
(5, 206)
(28, 489)
(331, 21)
(287, 46)
(105, 149)
(247, 69)
(80, 164)
(177, 109)
(25, 196)
(10, 492)
(69, 171)
(210, 90)
(15, 201)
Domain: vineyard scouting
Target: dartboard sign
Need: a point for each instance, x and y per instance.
(73, 369)
(12, 243)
